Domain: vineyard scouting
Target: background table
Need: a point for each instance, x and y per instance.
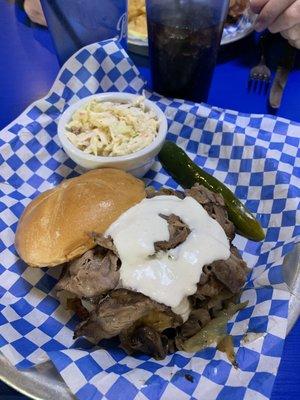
(28, 67)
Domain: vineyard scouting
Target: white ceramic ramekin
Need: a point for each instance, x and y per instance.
(137, 163)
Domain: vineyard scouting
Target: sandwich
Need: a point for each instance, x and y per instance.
(155, 268)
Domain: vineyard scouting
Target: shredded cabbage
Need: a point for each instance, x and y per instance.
(112, 129)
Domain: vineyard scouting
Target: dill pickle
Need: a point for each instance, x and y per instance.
(185, 172)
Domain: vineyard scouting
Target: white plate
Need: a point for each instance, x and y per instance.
(232, 32)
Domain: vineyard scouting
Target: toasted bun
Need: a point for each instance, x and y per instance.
(55, 226)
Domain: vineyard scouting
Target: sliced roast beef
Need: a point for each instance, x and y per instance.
(232, 272)
(142, 324)
(214, 205)
(178, 230)
(147, 340)
(76, 305)
(217, 302)
(197, 319)
(212, 202)
(151, 192)
(93, 274)
(202, 315)
(104, 241)
(206, 273)
(210, 289)
(117, 312)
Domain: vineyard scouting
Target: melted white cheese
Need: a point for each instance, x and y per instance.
(167, 277)
(183, 309)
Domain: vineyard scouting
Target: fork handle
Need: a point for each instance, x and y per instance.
(262, 59)
(264, 38)
(263, 41)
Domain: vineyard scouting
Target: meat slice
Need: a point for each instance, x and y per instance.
(75, 305)
(210, 289)
(104, 241)
(178, 230)
(232, 272)
(197, 319)
(206, 273)
(117, 312)
(93, 274)
(214, 204)
(147, 340)
(151, 192)
(202, 315)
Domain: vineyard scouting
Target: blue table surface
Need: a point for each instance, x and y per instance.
(28, 67)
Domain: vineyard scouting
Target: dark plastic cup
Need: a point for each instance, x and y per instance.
(184, 39)
(76, 23)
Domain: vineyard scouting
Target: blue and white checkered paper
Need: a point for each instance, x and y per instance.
(256, 156)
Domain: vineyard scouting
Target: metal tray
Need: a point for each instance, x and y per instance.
(44, 383)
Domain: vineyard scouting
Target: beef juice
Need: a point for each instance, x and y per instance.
(183, 47)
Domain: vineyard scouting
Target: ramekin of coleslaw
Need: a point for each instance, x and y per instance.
(116, 130)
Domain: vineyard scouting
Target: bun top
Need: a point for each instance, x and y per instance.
(55, 226)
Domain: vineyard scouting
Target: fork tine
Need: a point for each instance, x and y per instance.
(260, 74)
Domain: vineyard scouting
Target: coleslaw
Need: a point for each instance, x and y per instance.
(111, 128)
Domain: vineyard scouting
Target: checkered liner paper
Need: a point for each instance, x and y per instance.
(256, 156)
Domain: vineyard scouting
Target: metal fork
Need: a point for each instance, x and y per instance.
(260, 75)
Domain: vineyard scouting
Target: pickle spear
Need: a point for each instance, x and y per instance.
(185, 172)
